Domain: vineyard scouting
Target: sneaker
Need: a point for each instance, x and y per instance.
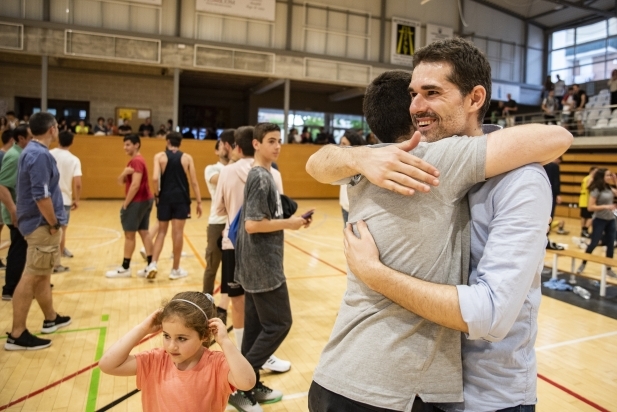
(149, 272)
(610, 273)
(142, 252)
(50, 326)
(60, 269)
(26, 341)
(580, 269)
(67, 253)
(6, 297)
(562, 231)
(119, 272)
(579, 242)
(275, 364)
(553, 246)
(222, 315)
(178, 273)
(244, 402)
(585, 234)
(263, 394)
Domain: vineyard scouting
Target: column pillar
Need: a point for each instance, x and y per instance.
(286, 111)
(44, 67)
(176, 97)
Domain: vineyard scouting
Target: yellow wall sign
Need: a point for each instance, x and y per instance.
(405, 40)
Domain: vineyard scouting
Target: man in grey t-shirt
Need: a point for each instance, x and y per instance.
(441, 106)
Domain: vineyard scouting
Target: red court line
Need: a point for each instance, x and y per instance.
(573, 394)
(315, 257)
(66, 378)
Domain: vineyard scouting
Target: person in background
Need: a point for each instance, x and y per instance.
(509, 111)
(7, 142)
(146, 129)
(125, 128)
(560, 90)
(294, 137)
(170, 125)
(100, 129)
(162, 131)
(81, 128)
(567, 107)
(601, 202)
(350, 138)
(306, 136)
(583, 201)
(580, 101)
(4, 124)
(112, 130)
(612, 85)
(547, 87)
(12, 119)
(550, 107)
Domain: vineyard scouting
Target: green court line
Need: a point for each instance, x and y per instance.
(93, 391)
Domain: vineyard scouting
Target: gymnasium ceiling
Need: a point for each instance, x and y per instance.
(555, 14)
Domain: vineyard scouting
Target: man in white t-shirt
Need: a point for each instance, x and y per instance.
(69, 167)
(216, 224)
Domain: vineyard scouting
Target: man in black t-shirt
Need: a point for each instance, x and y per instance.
(125, 128)
(146, 129)
(580, 101)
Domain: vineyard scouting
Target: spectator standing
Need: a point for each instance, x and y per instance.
(135, 211)
(69, 167)
(568, 106)
(547, 87)
(550, 107)
(112, 130)
(560, 90)
(100, 128)
(125, 128)
(173, 169)
(7, 143)
(612, 85)
(12, 119)
(16, 257)
(509, 111)
(580, 101)
(583, 201)
(40, 217)
(146, 129)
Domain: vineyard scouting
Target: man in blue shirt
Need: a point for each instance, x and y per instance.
(40, 216)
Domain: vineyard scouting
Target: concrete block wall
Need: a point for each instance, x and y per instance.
(104, 91)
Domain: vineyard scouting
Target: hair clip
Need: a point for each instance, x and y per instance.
(209, 296)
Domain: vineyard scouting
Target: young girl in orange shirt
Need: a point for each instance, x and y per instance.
(183, 375)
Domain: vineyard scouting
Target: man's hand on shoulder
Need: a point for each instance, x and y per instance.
(394, 168)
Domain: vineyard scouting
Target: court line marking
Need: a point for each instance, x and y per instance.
(575, 341)
(573, 394)
(197, 254)
(315, 257)
(104, 229)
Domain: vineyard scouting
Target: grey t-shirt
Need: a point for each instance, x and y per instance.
(379, 353)
(604, 197)
(259, 256)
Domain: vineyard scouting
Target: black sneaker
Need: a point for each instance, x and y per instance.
(6, 297)
(50, 326)
(263, 394)
(585, 234)
(26, 341)
(553, 246)
(244, 402)
(222, 315)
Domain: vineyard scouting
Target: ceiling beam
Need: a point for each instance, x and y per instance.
(544, 14)
(577, 23)
(267, 85)
(347, 94)
(581, 6)
(508, 12)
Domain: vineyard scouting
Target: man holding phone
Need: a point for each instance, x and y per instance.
(259, 262)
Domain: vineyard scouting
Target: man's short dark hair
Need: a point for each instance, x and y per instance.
(41, 122)
(133, 138)
(227, 136)
(21, 130)
(262, 129)
(470, 67)
(99, 119)
(10, 113)
(386, 106)
(243, 137)
(174, 138)
(7, 135)
(65, 138)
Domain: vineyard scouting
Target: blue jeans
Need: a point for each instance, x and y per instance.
(519, 408)
(604, 229)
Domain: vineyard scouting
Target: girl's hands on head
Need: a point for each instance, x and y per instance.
(217, 327)
(151, 324)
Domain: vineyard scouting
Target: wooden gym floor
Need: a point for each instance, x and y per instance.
(576, 348)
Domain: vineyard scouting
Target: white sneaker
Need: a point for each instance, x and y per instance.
(275, 364)
(149, 272)
(142, 252)
(119, 272)
(178, 273)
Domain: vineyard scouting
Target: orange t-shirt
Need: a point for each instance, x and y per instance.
(165, 388)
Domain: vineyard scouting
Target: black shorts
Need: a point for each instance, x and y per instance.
(228, 283)
(586, 214)
(168, 211)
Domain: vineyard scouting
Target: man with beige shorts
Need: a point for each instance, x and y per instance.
(40, 216)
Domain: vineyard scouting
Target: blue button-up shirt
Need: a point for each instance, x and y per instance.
(500, 305)
(37, 178)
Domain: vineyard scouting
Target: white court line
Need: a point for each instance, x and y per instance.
(105, 229)
(575, 341)
(285, 398)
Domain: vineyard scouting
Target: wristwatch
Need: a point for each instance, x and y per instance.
(57, 226)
